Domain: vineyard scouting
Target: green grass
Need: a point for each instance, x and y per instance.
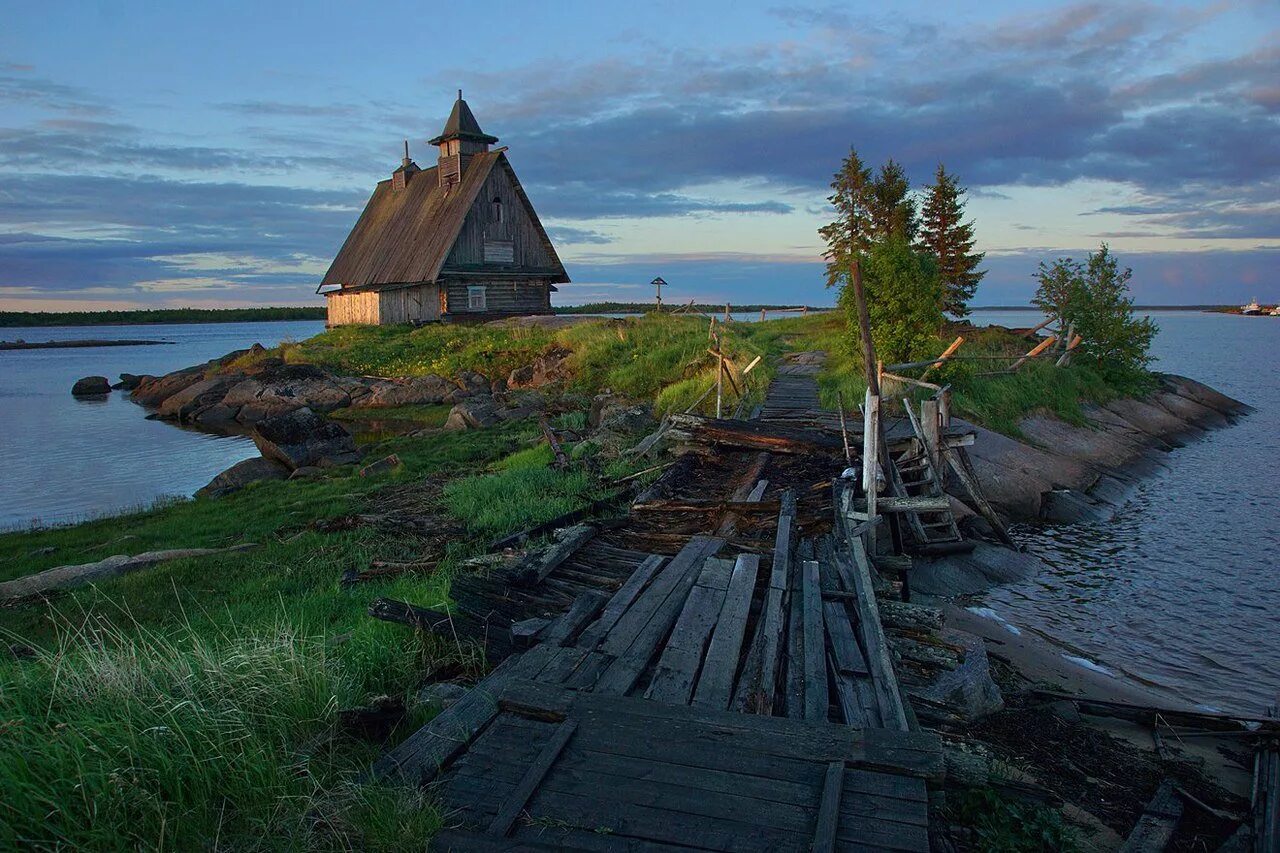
(445, 350)
(193, 687)
(658, 358)
(120, 739)
(999, 403)
(522, 492)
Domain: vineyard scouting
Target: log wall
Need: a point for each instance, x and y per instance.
(510, 296)
(418, 304)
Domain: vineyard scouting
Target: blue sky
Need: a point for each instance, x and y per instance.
(217, 154)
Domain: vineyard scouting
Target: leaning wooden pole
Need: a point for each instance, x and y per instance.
(871, 428)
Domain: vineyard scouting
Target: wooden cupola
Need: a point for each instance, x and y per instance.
(460, 140)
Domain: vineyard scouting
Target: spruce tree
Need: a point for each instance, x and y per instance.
(945, 235)
(891, 208)
(849, 234)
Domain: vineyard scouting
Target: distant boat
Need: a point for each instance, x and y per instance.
(1252, 308)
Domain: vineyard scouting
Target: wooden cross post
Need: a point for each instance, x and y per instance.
(719, 379)
(871, 427)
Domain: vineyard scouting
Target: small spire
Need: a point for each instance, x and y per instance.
(406, 160)
(459, 94)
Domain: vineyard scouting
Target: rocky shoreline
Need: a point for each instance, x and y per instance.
(1062, 473)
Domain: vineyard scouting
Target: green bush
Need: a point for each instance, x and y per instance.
(903, 301)
(1093, 299)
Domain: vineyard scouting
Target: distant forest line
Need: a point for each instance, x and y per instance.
(11, 319)
(158, 315)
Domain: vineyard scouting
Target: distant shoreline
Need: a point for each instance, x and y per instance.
(177, 316)
(14, 345)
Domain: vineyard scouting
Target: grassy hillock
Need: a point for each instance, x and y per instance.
(658, 358)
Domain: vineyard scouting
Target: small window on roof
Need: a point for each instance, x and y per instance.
(497, 209)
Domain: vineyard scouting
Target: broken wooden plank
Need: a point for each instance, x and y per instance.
(756, 692)
(519, 798)
(638, 633)
(756, 435)
(1154, 829)
(404, 613)
(874, 644)
(715, 684)
(824, 832)
(534, 569)
(421, 755)
(565, 629)
(621, 600)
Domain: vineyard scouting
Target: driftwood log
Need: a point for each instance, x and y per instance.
(65, 577)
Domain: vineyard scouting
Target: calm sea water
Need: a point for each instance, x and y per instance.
(63, 459)
(1181, 591)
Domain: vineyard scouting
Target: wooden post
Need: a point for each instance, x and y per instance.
(844, 433)
(719, 381)
(761, 315)
(727, 318)
(1032, 333)
(930, 425)
(1035, 351)
(711, 329)
(944, 407)
(870, 461)
(950, 351)
(1066, 356)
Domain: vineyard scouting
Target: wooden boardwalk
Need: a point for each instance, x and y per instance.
(732, 695)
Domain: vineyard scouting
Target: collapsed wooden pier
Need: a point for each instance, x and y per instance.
(710, 672)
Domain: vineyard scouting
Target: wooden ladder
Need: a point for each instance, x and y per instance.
(935, 530)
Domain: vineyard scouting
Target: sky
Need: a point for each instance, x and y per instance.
(217, 154)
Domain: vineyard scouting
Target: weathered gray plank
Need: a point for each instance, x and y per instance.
(756, 693)
(871, 632)
(715, 684)
(535, 569)
(824, 831)
(682, 657)
(642, 610)
(421, 755)
(844, 646)
(815, 656)
(564, 630)
(516, 802)
(621, 675)
(621, 600)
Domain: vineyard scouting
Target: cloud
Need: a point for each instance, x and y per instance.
(1122, 94)
(568, 236)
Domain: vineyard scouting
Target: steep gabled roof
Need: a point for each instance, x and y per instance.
(405, 237)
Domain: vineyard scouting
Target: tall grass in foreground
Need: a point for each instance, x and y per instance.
(115, 740)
